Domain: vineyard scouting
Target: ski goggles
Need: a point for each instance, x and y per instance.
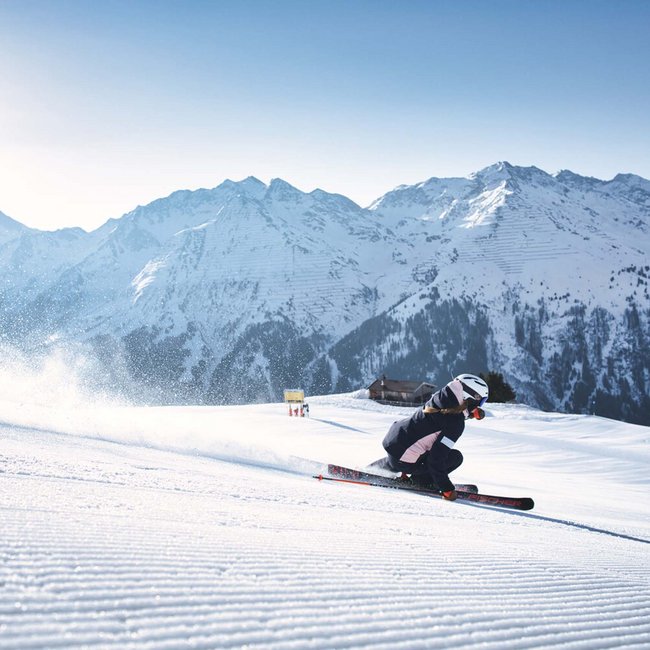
(477, 413)
(476, 402)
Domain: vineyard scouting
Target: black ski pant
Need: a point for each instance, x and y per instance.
(420, 469)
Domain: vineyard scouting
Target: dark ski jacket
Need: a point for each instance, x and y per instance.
(433, 434)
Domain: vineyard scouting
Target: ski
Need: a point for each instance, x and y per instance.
(358, 475)
(346, 475)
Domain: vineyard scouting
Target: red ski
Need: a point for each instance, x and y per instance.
(357, 475)
(347, 475)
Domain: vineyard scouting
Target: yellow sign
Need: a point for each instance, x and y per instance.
(294, 396)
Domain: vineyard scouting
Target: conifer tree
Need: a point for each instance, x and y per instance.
(500, 390)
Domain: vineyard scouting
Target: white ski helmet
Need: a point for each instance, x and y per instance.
(474, 388)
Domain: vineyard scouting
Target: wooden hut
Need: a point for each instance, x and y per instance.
(400, 392)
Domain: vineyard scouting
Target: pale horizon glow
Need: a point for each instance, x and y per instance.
(115, 104)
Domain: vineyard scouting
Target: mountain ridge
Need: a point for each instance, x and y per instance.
(232, 293)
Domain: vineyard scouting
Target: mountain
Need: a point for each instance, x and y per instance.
(544, 278)
(231, 294)
(9, 228)
(178, 290)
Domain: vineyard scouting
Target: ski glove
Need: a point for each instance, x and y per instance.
(450, 496)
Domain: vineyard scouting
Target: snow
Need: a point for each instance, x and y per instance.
(202, 527)
(199, 272)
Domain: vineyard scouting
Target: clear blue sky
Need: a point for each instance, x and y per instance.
(111, 104)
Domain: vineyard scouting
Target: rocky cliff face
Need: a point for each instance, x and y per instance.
(232, 294)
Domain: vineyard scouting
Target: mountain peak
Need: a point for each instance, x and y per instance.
(631, 180)
(569, 178)
(280, 189)
(248, 182)
(493, 176)
(322, 195)
(506, 171)
(278, 183)
(499, 168)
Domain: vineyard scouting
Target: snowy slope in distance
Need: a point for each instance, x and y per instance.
(201, 527)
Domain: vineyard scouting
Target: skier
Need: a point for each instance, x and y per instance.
(423, 445)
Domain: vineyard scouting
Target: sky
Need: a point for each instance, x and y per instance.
(109, 105)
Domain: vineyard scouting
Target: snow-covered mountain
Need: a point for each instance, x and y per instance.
(234, 293)
(543, 277)
(10, 228)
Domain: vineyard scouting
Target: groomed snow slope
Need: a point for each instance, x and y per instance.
(202, 528)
